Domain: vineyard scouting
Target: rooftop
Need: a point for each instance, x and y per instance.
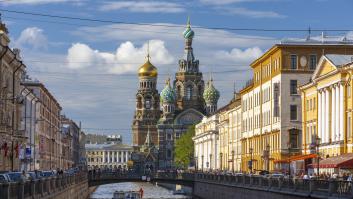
(107, 146)
(319, 40)
(339, 60)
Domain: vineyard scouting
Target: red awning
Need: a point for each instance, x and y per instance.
(295, 158)
(341, 161)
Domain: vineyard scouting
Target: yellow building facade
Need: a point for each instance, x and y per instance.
(327, 107)
(271, 104)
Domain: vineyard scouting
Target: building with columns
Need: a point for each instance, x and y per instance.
(108, 156)
(271, 104)
(218, 139)
(206, 144)
(327, 107)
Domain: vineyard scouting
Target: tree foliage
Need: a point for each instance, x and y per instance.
(184, 148)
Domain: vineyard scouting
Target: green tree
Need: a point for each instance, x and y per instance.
(184, 148)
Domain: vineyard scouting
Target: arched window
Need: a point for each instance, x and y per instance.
(188, 92)
(139, 102)
(169, 153)
(148, 102)
(178, 91)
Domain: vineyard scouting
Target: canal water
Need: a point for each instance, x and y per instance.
(151, 191)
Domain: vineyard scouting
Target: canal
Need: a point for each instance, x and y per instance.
(150, 190)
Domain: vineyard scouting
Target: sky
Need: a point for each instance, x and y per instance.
(90, 66)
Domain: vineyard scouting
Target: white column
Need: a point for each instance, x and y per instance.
(127, 156)
(323, 114)
(327, 130)
(333, 114)
(108, 156)
(337, 113)
(319, 107)
(341, 111)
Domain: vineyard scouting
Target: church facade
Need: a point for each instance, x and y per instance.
(180, 105)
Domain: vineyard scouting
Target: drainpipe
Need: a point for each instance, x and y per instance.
(13, 110)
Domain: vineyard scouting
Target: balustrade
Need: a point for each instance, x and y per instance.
(39, 188)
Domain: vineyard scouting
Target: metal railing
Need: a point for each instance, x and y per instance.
(40, 188)
(294, 186)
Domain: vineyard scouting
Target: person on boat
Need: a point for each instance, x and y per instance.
(141, 192)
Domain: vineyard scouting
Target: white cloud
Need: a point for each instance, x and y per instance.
(35, 2)
(143, 6)
(237, 55)
(250, 13)
(225, 2)
(127, 58)
(32, 37)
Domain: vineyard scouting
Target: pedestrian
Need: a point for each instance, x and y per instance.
(24, 176)
(141, 192)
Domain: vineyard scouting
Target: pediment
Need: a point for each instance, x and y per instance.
(325, 66)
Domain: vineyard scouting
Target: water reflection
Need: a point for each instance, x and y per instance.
(150, 190)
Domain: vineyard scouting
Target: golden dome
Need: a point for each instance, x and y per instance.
(147, 70)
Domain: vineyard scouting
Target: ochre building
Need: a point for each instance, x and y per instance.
(271, 104)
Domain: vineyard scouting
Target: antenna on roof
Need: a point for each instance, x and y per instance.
(309, 34)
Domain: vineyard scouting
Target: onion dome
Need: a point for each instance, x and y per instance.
(147, 69)
(168, 94)
(188, 32)
(211, 94)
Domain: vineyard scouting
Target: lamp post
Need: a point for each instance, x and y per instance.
(289, 154)
(250, 163)
(202, 163)
(221, 159)
(268, 157)
(233, 161)
(318, 142)
(210, 161)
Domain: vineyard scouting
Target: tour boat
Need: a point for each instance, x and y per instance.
(126, 195)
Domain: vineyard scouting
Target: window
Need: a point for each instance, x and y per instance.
(188, 92)
(148, 104)
(293, 87)
(293, 112)
(169, 153)
(293, 139)
(313, 60)
(293, 62)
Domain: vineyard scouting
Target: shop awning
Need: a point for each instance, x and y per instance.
(341, 161)
(295, 158)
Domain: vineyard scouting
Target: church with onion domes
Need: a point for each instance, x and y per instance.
(163, 118)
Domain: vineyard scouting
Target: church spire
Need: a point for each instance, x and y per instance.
(148, 141)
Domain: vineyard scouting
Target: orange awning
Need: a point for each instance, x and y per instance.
(295, 158)
(302, 157)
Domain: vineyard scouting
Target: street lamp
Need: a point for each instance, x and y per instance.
(202, 163)
(210, 161)
(233, 161)
(221, 166)
(289, 153)
(250, 162)
(268, 157)
(318, 142)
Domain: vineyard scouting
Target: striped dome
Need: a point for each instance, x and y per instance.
(211, 94)
(188, 32)
(168, 94)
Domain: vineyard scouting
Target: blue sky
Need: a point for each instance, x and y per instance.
(91, 67)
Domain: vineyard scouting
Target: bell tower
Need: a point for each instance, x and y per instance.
(188, 83)
(147, 111)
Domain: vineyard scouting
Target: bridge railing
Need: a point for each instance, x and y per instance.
(335, 188)
(44, 187)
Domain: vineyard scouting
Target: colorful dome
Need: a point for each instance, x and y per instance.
(211, 94)
(188, 32)
(147, 69)
(168, 93)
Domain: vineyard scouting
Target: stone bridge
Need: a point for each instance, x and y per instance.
(212, 186)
